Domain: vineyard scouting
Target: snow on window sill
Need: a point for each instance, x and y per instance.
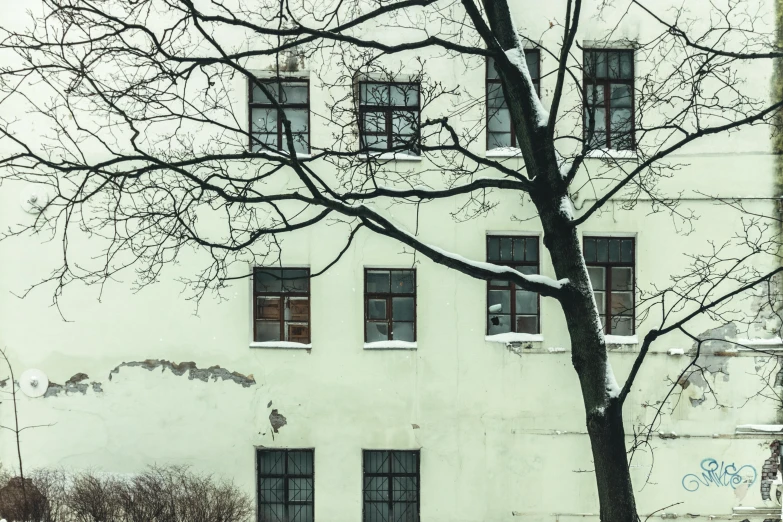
(394, 156)
(281, 344)
(504, 152)
(612, 154)
(390, 345)
(283, 154)
(759, 428)
(622, 339)
(513, 337)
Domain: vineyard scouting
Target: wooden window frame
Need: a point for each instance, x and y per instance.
(608, 265)
(388, 296)
(280, 127)
(606, 82)
(511, 286)
(284, 476)
(388, 112)
(282, 295)
(390, 476)
(496, 81)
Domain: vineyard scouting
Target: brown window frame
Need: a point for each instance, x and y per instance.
(283, 295)
(388, 296)
(390, 484)
(252, 141)
(286, 477)
(388, 112)
(496, 81)
(607, 266)
(606, 82)
(511, 286)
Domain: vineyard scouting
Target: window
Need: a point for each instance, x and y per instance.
(391, 486)
(500, 130)
(268, 132)
(389, 117)
(285, 485)
(389, 305)
(282, 304)
(610, 263)
(609, 103)
(509, 308)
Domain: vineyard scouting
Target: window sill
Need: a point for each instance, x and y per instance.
(281, 345)
(299, 155)
(391, 156)
(612, 154)
(504, 152)
(513, 337)
(621, 339)
(391, 345)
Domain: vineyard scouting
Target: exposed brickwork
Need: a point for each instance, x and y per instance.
(770, 470)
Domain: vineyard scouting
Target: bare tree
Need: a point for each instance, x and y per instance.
(134, 121)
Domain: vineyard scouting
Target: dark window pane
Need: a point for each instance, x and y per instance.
(298, 119)
(498, 324)
(621, 95)
(300, 489)
(264, 121)
(271, 462)
(260, 97)
(531, 249)
(405, 95)
(403, 462)
(376, 462)
(377, 332)
(499, 301)
(600, 301)
(295, 280)
(527, 324)
(589, 250)
(621, 326)
(527, 302)
(597, 277)
(301, 513)
(622, 278)
(267, 331)
(626, 251)
(268, 308)
(269, 280)
(271, 490)
(272, 512)
(376, 488)
(294, 93)
(377, 512)
(403, 309)
(493, 248)
(622, 303)
(495, 97)
(531, 59)
(402, 282)
(376, 308)
(614, 250)
(505, 249)
(374, 122)
(499, 121)
(602, 250)
(626, 65)
(491, 72)
(499, 140)
(404, 124)
(404, 488)
(519, 249)
(527, 269)
(377, 282)
(614, 64)
(402, 331)
(300, 462)
(404, 512)
(374, 94)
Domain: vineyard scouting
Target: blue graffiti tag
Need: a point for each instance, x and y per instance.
(719, 475)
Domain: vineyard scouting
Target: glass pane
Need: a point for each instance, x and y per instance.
(268, 280)
(622, 278)
(491, 72)
(264, 120)
(271, 463)
(499, 324)
(600, 301)
(374, 94)
(621, 326)
(614, 64)
(402, 331)
(376, 461)
(402, 282)
(614, 250)
(404, 122)
(404, 488)
(301, 144)
(602, 250)
(271, 512)
(377, 282)
(300, 489)
(602, 320)
(519, 249)
(499, 139)
(374, 121)
(403, 309)
(376, 488)
(531, 59)
(589, 250)
(621, 129)
(495, 98)
(376, 309)
(301, 513)
(268, 308)
(527, 324)
(298, 119)
(493, 248)
(600, 119)
(375, 142)
(260, 97)
(300, 462)
(377, 332)
(626, 251)
(295, 280)
(626, 65)
(595, 95)
(531, 249)
(597, 277)
(271, 490)
(621, 95)
(403, 462)
(622, 303)
(600, 64)
(405, 95)
(264, 142)
(527, 270)
(500, 120)
(505, 249)
(376, 512)
(499, 301)
(267, 331)
(294, 93)
(404, 512)
(527, 302)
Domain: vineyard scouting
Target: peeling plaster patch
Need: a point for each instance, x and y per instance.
(193, 371)
(97, 387)
(4, 382)
(73, 385)
(770, 469)
(714, 357)
(277, 421)
(415, 426)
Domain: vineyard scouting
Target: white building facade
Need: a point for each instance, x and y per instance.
(393, 388)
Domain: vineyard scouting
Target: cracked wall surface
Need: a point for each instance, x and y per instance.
(214, 373)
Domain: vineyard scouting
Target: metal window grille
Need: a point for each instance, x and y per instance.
(391, 486)
(285, 485)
